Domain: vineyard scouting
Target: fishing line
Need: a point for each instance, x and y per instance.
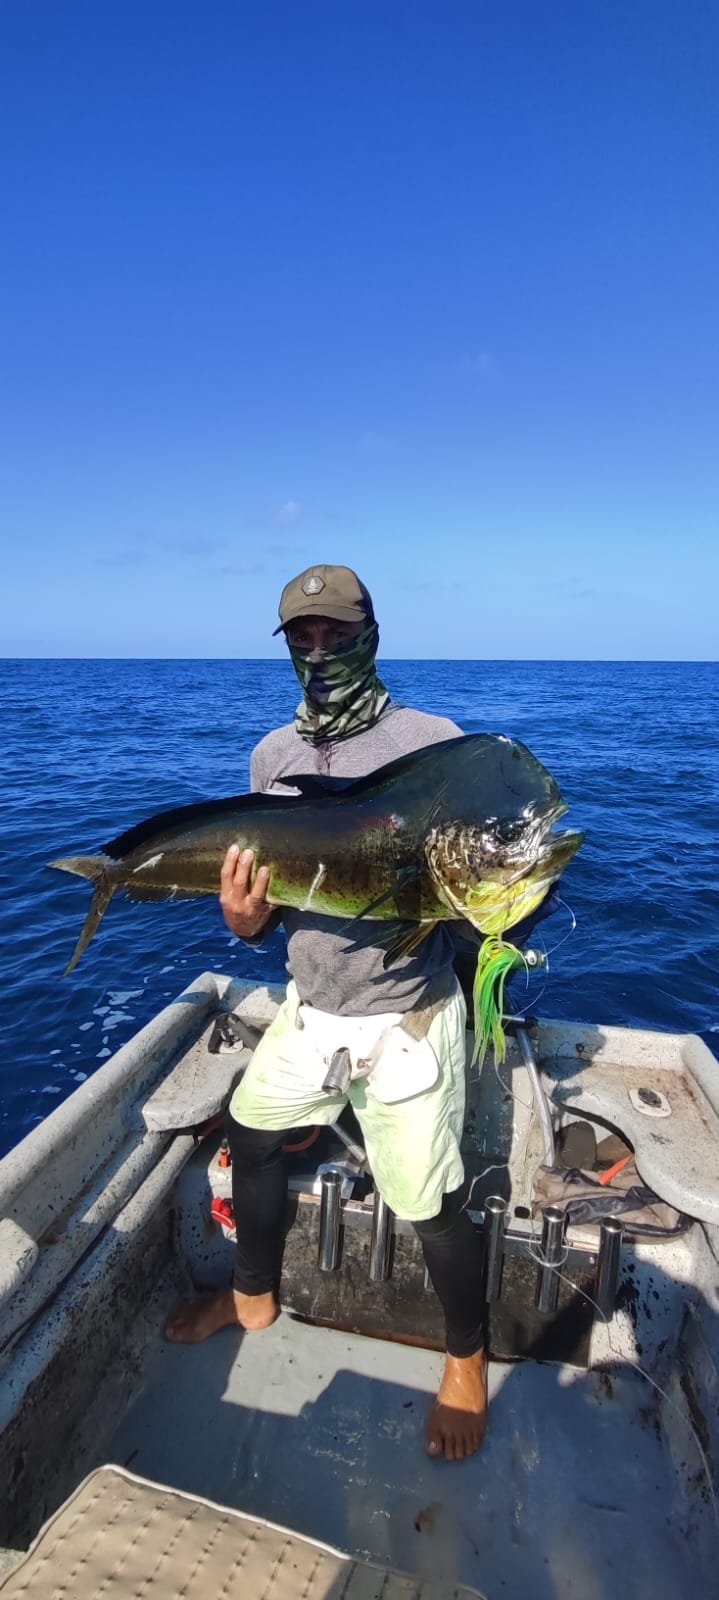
(527, 1104)
(570, 929)
(497, 1166)
(619, 1357)
(547, 954)
(623, 1360)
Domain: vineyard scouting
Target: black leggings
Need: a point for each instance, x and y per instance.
(451, 1245)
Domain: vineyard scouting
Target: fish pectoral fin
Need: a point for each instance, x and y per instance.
(404, 876)
(408, 941)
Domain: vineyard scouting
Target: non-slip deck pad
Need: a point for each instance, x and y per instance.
(124, 1536)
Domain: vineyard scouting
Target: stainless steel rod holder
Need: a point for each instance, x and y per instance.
(495, 1221)
(606, 1280)
(551, 1254)
(380, 1244)
(328, 1254)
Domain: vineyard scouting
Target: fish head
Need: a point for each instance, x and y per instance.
(491, 849)
(498, 872)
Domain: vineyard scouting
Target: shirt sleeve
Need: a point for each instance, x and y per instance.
(257, 775)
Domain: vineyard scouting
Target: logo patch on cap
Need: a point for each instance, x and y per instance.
(313, 585)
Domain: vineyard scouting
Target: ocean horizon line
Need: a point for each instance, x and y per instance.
(280, 661)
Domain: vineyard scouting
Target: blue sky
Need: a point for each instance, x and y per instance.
(427, 289)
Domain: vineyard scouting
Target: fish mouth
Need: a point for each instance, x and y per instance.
(506, 897)
(522, 839)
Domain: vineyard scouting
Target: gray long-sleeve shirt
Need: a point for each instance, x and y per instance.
(329, 970)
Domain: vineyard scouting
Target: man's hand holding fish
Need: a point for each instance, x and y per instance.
(244, 903)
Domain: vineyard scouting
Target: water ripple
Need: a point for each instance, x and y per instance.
(91, 746)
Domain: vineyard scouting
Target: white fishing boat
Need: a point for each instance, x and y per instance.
(290, 1463)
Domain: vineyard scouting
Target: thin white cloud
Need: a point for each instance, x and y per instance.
(289, 513)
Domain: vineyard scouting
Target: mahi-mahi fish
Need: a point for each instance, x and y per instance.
(459, 830)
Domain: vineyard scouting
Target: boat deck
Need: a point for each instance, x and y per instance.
(322, 1432)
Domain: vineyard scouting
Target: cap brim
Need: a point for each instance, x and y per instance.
(317, 609)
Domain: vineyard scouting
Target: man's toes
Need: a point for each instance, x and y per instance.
(473, 1440)
(434, 1438)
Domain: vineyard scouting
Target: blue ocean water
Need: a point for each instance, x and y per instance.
(89, 747)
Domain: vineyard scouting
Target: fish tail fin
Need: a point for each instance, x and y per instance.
(495, 962)
(95, 868)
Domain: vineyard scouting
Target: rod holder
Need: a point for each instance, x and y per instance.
(328, 1254)
(606, 1280)
(551, 1254)
(495, 1222)
(380, 1244)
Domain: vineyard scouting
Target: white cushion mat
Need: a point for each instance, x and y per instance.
(123, 1536)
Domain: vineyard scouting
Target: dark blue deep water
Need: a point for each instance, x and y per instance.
(89, 747)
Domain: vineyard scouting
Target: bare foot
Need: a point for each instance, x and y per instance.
(225, 1309)
(458, 1418)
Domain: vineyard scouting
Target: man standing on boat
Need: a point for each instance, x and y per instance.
(346, 726)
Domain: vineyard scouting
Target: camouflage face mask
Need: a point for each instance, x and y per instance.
(342, 692)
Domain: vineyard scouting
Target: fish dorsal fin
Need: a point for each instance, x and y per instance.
(181, 817)
(313, 785)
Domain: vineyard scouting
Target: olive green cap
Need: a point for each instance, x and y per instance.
(324, 591)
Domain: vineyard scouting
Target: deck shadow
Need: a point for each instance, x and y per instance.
(322, 1432)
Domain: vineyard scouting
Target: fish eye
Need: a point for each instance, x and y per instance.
(510, 831)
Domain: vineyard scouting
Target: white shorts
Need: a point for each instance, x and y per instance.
(412, 1142)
